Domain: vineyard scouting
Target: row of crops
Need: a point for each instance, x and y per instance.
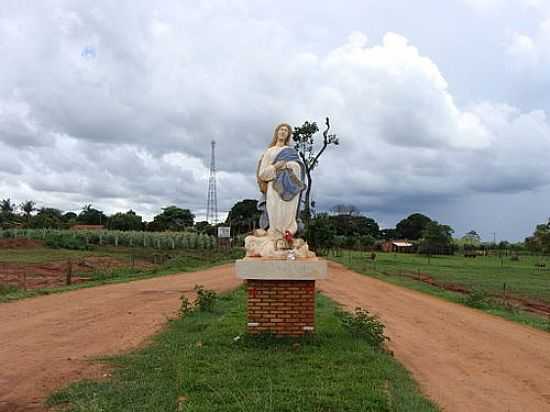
(71, 239)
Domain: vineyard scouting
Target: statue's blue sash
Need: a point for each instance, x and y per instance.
(286, 184)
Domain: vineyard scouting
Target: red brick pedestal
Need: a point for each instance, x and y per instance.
(282, 307)
(281, 294)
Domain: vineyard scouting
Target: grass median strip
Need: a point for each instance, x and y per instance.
(203, 362)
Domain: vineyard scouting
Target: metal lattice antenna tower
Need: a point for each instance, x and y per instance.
(212, 206)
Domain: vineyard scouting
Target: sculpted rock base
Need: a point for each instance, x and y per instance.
(261, 244)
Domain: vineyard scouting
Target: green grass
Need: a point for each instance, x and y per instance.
(45, 255)
(483, 274)
(200, 361)
(188, 261)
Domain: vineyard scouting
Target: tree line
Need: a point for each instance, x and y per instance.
(28, 215)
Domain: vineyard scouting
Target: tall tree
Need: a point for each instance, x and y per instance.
(47, 218)
(28, 207)
(172, 218)
(91, 216)
(6, 207)
(243, 216)
(303, 137)
(126, 221)
(436, 239)
(471, 238)
(350, 225)
(540, 241)
(411, 228)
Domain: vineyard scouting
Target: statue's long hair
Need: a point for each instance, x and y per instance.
(263, 185)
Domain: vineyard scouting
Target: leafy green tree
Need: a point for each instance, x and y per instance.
(28, 207)
(47, 218)
(540, 241)
(436, 239)
(70, 217)
(6, 212)
(205, 227)
(172, 218)
(388, 234)
(411, 228)
(7, 207)
(91, 216)
(126, 221)
(243, 216)
(321, 233)
(303, 137)
(353, 225)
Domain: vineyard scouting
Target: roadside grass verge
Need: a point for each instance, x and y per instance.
(480, 277)
(204, 362)
(188, 261)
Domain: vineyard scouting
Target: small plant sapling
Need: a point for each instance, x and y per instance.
(364, 325)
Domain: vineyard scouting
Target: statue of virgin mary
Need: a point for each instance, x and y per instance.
(280, 175)
(281, 179)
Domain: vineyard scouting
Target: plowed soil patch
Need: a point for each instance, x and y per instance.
(20, 244)
(54, 274)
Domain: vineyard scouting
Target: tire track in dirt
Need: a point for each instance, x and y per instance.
(463, 359)
(47, 342)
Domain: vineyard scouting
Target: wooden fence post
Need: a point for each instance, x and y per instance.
(69, 279)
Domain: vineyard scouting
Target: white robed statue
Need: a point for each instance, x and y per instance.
(280, 176)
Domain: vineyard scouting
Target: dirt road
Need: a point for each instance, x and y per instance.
(47, 342)
(463, 359)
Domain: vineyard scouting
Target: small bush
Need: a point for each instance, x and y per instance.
(7, 289)
(61, 241)
(186, 307)
(478, 299)
(364, 325)
(206, 299)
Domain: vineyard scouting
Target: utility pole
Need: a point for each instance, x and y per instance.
(212, 205)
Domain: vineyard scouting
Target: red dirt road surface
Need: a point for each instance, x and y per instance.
(464, 359)
(47, 342)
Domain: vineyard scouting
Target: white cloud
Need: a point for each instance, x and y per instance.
(129, 124)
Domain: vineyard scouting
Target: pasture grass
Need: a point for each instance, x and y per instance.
(204, 362)
(183, 261)
(46, 255)
(484, 275)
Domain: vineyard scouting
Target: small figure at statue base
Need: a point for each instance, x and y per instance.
(262, 244)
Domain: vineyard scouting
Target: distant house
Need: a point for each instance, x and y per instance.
(398, 246)
(87, 227)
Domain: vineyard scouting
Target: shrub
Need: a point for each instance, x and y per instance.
(364, 325)
(206, 299)
(186, 307)
(478, 299)
(7, 289)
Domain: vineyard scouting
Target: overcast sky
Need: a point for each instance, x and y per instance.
(441, 106)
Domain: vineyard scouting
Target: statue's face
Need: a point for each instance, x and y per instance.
(282, 135)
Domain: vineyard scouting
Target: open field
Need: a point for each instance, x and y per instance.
(512, 285)
(201, 363)
(488, 273)
(28, 268)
